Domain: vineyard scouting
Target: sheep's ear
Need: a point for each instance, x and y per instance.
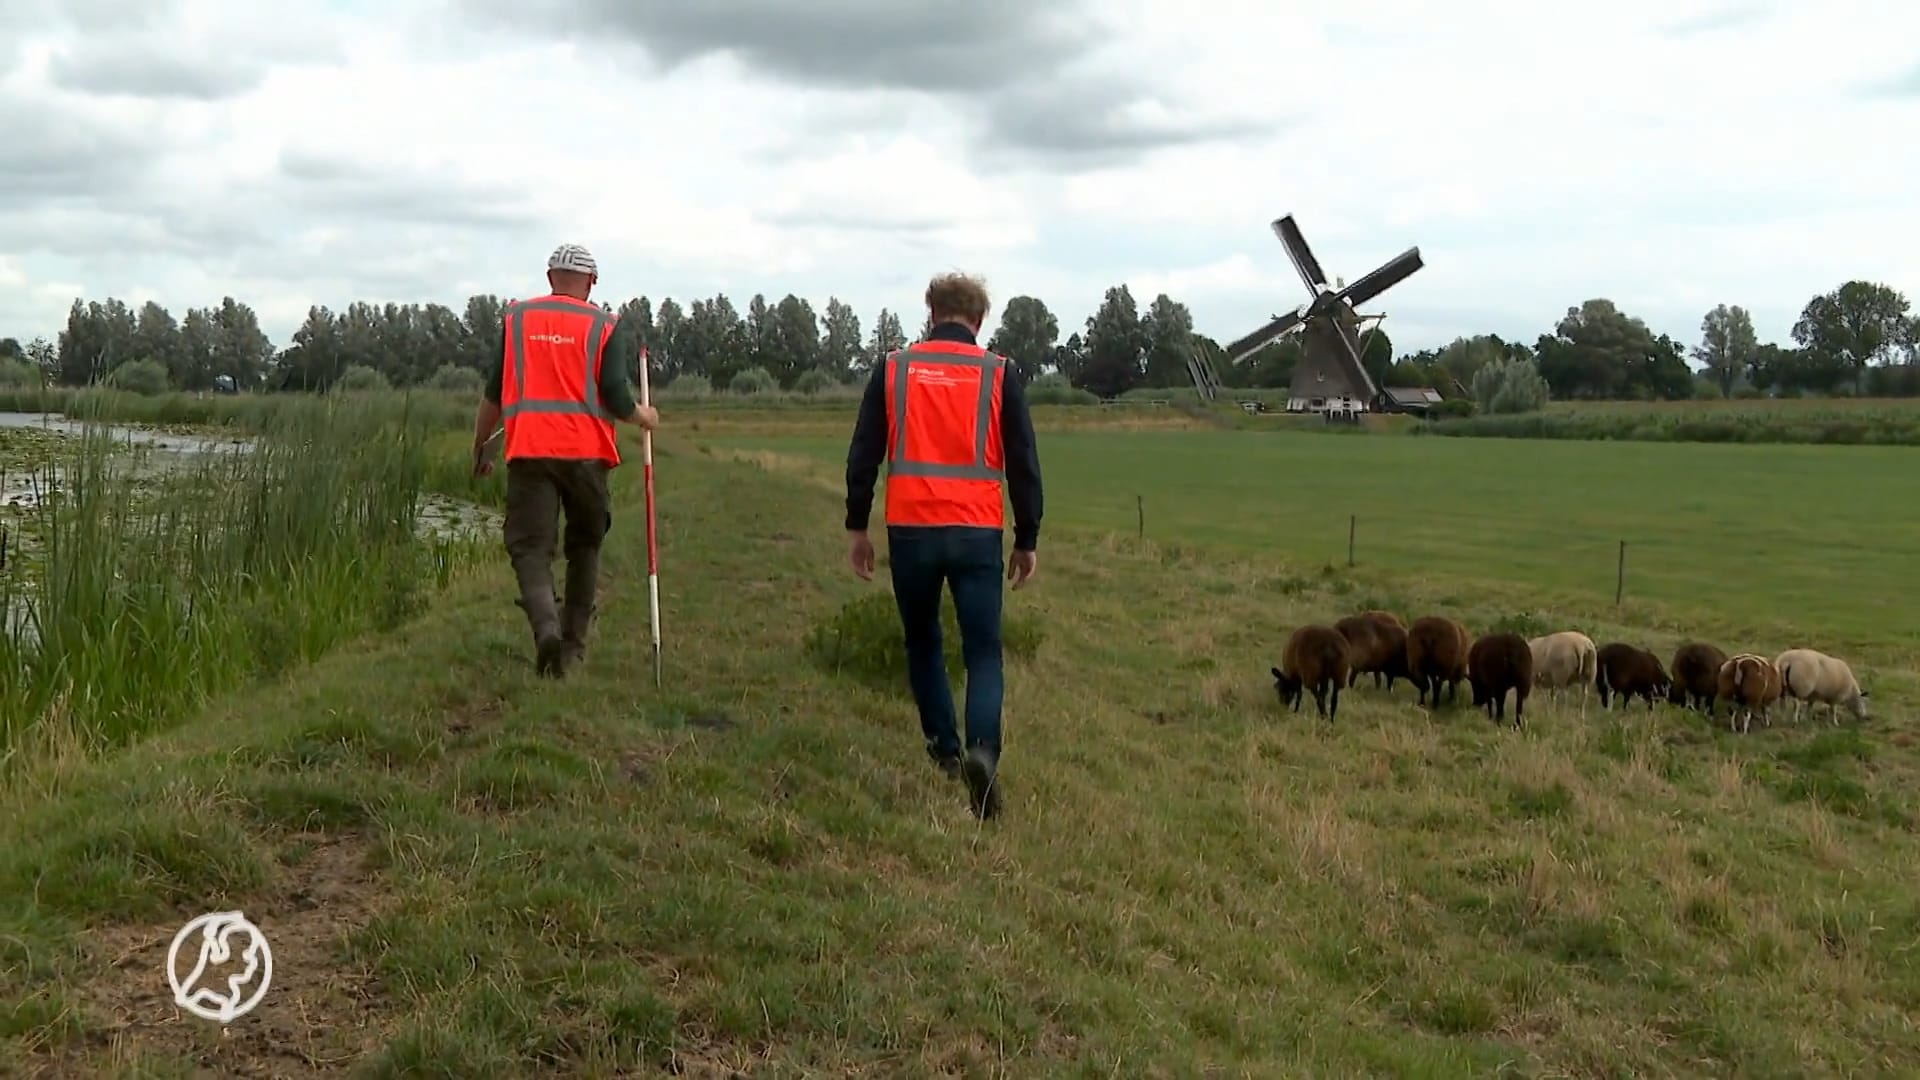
(1276, 673)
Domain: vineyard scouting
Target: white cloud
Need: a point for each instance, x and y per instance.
(1539, 154)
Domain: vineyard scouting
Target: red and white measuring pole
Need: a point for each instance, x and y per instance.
(653, 542)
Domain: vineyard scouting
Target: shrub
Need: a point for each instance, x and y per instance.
(18, 374)
(361, 378)
(1054, 389)
(453, 377)
(1452, 409)
(811, 381)
(863, 641)
(1507, 387)
(693, 386)
(754, 380)
(147, 378)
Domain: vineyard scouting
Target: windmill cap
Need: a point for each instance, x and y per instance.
(573, 257)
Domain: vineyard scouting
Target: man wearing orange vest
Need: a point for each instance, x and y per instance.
(559, 380)
(950, 420)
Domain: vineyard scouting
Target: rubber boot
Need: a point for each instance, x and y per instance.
(543, 618)
(583, 578)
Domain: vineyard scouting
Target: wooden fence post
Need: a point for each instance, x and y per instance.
(1620, 576)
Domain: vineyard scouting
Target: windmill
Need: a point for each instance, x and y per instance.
(1332, 369)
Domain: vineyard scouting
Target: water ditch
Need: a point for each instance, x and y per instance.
(33, 447)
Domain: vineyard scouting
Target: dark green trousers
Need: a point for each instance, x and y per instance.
(542, 493)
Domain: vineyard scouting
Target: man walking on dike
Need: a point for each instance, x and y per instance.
(559, 378)
(950, 419)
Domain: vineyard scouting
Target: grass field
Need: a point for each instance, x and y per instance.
(468, 871)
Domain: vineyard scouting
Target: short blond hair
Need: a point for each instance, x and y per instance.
(957, 296)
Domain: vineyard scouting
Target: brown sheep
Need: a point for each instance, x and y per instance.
(1749, 684)
(1385, 618)
(1378, 646)
(1437, 653)
(1496, 664)
(1696, 676)
(1318, 658)
(1629, 671)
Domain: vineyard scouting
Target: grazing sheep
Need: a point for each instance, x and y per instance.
(1385, 618)
(1564, 660)
(1496, 664)
(1316, 657)
(1378, 646)
(1750, 684)
(1437, 653)
(1811, 677)
(1629, 671)
(1696, 676)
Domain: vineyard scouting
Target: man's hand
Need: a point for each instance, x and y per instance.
(647, 417)
(483, 458)
(1021, 566)
(860, 554)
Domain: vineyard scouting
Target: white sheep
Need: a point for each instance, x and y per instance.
(1811, 677)
(1562, 660)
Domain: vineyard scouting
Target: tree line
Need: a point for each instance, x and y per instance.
(1859, 339)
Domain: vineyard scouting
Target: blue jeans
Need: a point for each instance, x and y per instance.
(969, 561)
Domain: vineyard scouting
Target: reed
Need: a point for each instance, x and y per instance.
(153, 581)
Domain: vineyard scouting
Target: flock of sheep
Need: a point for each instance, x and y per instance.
(1437, 650)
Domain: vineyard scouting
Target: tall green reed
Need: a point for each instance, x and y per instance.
(163, 580)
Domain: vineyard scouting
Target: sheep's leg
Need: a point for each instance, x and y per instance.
(1333, 703)
(1320, 696)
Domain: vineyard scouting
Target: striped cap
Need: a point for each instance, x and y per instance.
(573, 257)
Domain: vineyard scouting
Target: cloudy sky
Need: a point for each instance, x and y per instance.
(1667, 154)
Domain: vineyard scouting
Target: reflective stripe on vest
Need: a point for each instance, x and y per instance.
(597, 333)
(898, 463)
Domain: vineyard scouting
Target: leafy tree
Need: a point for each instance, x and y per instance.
(888, 335)
(757, 346)
(1027, 335)
(840, 341)
(669, 322)
(1859, 324)
(1598, 351)
(1116, 346)
(1167, 330)
(796, 339)
(1727, 345)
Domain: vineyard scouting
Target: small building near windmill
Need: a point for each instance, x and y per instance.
(1326, 379)
(1417, 400)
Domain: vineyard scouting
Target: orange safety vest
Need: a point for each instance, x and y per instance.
(550, 387)
(945, 461)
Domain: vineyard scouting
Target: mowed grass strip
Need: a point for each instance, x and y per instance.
(467, 870)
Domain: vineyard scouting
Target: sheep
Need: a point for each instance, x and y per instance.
(1315, 657)
(1564, 660)
(1696, 676)
(1377, 646)
(1385, 618)
(1811, 677)
(1629, 671)
(1496, 664)
(1750, 684)
(1437, 653)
